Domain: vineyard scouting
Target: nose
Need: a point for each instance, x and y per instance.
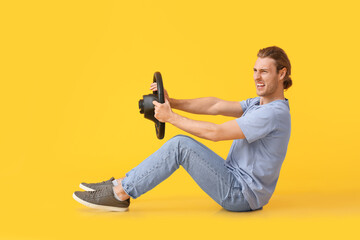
(257, 75)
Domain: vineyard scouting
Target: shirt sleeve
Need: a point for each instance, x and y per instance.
(244, 104)
(257, 123)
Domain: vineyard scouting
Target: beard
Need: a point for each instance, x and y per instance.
(267, 90)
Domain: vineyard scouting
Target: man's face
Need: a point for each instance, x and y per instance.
(267, 80)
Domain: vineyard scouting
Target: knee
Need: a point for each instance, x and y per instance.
(182, 140)
(179, 146)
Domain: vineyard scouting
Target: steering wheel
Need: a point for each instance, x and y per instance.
(148, 109)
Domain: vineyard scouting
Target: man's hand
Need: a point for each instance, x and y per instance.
(163, 112)
(153, 87)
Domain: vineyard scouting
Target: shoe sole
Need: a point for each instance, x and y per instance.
(85, 187)
(101, 207)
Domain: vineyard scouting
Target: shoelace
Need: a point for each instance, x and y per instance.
(100, 192)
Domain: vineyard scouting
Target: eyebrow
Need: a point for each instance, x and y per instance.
(262, 69)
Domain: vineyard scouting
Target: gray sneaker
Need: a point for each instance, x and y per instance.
(103, 199)
(95, 186)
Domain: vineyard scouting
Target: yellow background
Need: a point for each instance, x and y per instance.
(72, 73)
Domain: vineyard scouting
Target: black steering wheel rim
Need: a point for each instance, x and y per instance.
(159, 126)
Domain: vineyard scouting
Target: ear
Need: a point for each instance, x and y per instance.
(283, 73)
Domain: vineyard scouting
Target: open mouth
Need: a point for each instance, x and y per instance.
(260, 85)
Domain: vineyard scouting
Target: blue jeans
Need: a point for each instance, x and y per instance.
(205, 167)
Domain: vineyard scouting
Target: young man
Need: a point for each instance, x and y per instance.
(246, 180)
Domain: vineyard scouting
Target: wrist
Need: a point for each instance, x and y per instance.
(172, 118)
(172, 102)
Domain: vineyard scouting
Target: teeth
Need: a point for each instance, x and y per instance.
(260, 85)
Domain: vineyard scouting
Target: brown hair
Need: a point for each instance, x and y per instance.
(281, 61)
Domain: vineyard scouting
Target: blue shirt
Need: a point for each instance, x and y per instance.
(256, 160)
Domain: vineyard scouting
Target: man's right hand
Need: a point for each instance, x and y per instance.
(153, 87)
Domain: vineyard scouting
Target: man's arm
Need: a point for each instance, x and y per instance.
(215, 132)
(206, 105)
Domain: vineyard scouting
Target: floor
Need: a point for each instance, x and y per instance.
(177, 216)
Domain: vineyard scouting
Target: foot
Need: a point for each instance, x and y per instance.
(103, 199)
(96, 186)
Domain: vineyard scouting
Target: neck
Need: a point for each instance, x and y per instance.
(269, 99)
